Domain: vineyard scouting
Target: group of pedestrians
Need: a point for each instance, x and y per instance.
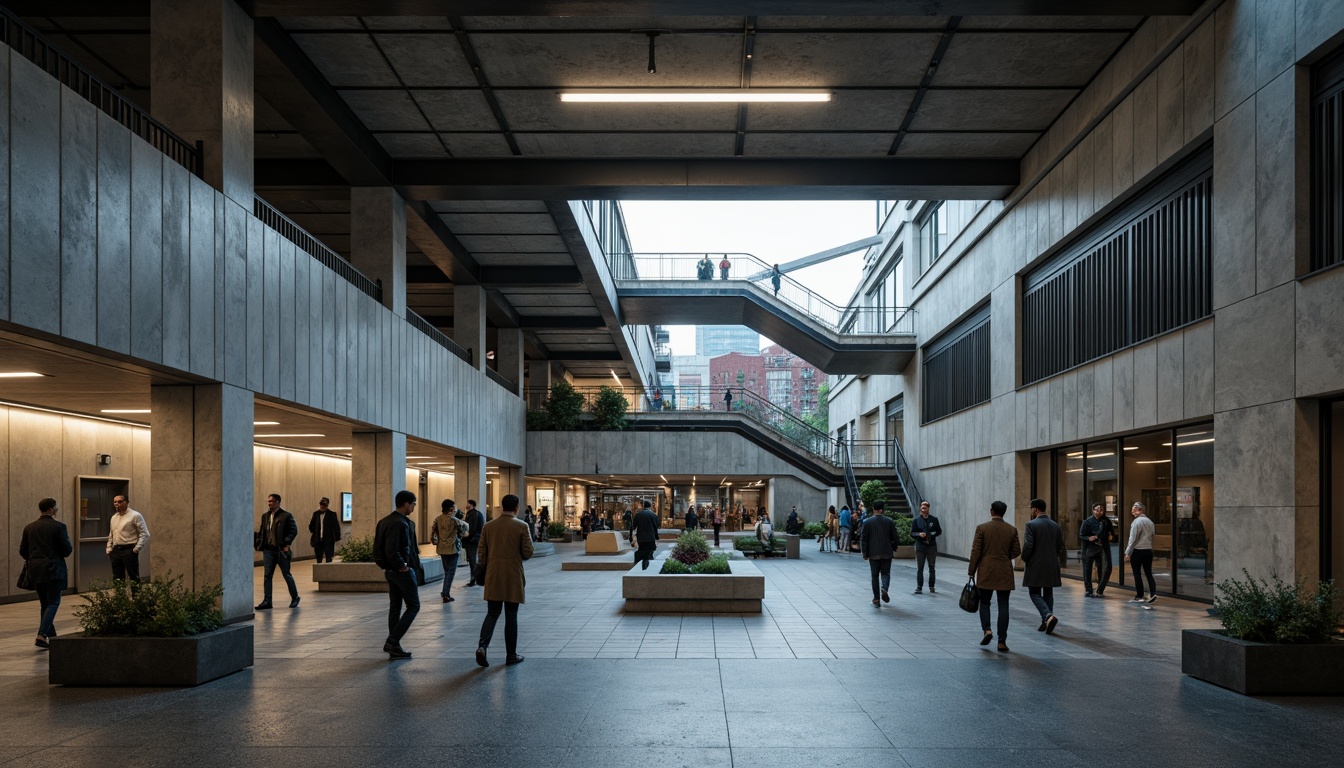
(704, 270)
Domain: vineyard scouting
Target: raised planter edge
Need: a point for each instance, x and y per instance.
(1263, 669)
(150, 661)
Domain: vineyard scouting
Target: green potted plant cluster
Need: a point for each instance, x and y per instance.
(558, 532)
(609, 409)
(1278, 639)
(356, 571)
(159, 632)
(691, 556)
(693, 580)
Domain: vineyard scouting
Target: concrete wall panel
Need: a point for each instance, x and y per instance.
(114, 235)
(35, 236)
(1234, 213)
(176, 283)
(79, 219)
(1253, 350)
(202, 274)
(146, 296)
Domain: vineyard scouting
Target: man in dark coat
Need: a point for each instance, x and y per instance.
(692, 519)
(278, 530)
(877, 542)
(44, 546)
(325, 528)
(396, 550)
(475, 521)
(1096, 534)
(791, 525)
(645, 534)
(1042, 551)
(925, 530)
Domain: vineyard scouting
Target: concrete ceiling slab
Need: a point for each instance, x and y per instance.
(990, 110)
(495, 243)
(1026, 59)
(601, 22)
(428, 59)
(408, 22)
(266, 145)
(389, 110)
(1050, 22)
(818, 144)
(500, 223)
(347, 60)
(523, 259)
(542, 110)
(457, 110)
(966, 144)
(412, 144)
(477, 144)
(489, 206)
(321, 22)
(625, 144)
(850, 22)
(847, 110)
(610, 59)
(554, 301)
(818, 60)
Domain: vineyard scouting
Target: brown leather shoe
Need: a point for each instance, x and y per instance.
(1003, 647)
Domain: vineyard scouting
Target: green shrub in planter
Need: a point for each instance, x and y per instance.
(564, 406)
(814, 530)
(609, 409)
(675, 567)
(746, 544)
(555, 530)
(716, 564)
(538, 420)
(354, 550)
(903, 531)
(872, 492)
(1277, 612)
(159, 608)
(691, 548)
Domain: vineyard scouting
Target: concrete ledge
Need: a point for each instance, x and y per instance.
(605, 543)
(136, 661)
(366, 577)
(653, 592)
(598, 563)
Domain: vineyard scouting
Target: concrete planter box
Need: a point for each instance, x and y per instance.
(366, 577)
(653, 592)
(1263, 669)
(137, 661)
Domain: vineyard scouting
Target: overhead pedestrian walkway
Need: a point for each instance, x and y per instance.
(694, 289)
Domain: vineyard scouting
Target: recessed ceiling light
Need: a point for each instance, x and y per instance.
(692, 96)
(21, 375)
(408, 458)
(124, 410)
(265, 423)
(330, 448)
(296, 434)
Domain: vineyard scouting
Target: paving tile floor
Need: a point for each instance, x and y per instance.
(820, 678)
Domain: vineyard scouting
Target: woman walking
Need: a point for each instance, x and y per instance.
(832, 531)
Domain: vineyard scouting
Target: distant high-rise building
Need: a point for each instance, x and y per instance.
(775, 374)
(717, 340)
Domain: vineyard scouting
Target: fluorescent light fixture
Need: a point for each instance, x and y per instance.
(664, 478)
(408, 458)
(124, 410)
(21, 375)
(1155, 461)
(295, 434)
(330, 448)
(265, 423)
(692, 96)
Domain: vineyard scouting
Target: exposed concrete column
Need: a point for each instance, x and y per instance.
(469, 321)
(377, 472)
(512, 480)
(378, 241)
(509, 354)
(469, 482)
(200, 461)
(200, 73)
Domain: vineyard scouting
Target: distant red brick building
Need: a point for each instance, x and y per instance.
(776, 374)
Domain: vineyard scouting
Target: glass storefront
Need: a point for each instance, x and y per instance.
(1332, 490)
(1170, 472)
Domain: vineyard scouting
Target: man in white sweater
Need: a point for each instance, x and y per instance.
(1139, 553)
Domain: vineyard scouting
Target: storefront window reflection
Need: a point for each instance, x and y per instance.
(1194, 511)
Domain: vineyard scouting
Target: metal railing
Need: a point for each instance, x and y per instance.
(427, 328)
(30, 44)
(743, 268)
(498, 378)
(609, 224)
(905, 475)
(315, 248)
(851, 482)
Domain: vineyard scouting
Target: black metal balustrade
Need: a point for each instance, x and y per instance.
(315, 248)
(33, 46)
(443, 340)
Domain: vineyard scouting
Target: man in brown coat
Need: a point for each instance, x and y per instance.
(992, 556)
(505, 544)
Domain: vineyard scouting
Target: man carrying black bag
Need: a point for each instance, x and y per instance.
(396, 552)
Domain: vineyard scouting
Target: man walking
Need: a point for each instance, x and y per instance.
(925, 529)
(395, 551)
(475, 522)
(1096, 534)
(728, 402)
(325, 529)
(692, 519)
(877, 542)
(278, 530)
(504, 546)
(127, 535)
(716, 515)
(44, 546)
(1042, 551)
(991, 566)
(1139, 553)
(645, 535)
(445, 534)
(791, 525)
(846, 517)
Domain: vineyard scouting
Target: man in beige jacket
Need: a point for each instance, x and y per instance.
(445, 535)
(992, 554)
(503, 548)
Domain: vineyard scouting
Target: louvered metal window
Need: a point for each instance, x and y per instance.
(956, 368)
(1327, 167)
(1139, 274)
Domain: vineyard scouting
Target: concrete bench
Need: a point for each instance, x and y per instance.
(605, 543)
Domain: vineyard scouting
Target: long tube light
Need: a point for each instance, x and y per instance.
(692, 96)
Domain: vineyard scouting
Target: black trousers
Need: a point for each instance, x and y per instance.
(926, 553)
(492, 610)
(324, 549)
(1003, 594)
(645, 552)
(401, 589)
(125, 562)
(717, 526)
(1141, 563)
(471, 561)
(1102, 559)
(880, 570)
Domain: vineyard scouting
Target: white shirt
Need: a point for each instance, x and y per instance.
(1140, 534)
(127, 528)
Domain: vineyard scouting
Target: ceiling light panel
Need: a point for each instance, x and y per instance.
(692, 96)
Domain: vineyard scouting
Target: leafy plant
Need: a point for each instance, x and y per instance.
(609, 409)
(675, 567)
(872, 492)
(691, 548)
(159, 608)
(538, 421)
(555, 530)
(1278, 611)
(715, 564)
(354, 550)
(814, 530)
(904, 537)
(564, 406)
(747, 544)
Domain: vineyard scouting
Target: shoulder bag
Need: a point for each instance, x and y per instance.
(26, 581)
(970, 597)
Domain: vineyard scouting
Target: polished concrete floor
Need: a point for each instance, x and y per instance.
(821, 678)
